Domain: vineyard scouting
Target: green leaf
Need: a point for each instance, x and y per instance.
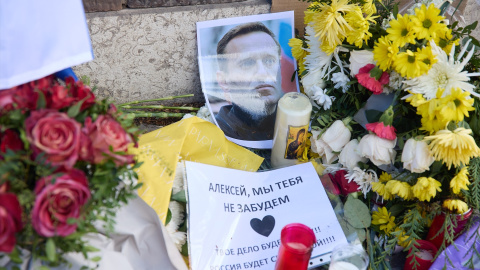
(357, 213)
(75, 109)
(42, 101)
(184, 249)
(51, 250)
(169, 217)
(43, 267)
(179, 196)
(395, 10)
(91, 249)
(96, 259)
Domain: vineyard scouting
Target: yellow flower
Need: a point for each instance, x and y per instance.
(445, 40)
(309, 14)
(410, 64)
(433, 125)
(460, 181)
(330, 25)
(457, 105)
(402, 238)
(380, 189)
(385, 52)
(401, 189)
(360, 25)
(369, 7)
(416, 99)
(385, 177)
(427, 22)
(453, 148)
(297, 48)
(382, 217)
(455, 205)
(429, 57)
(426, 188)
(432, 120)
(400, 31)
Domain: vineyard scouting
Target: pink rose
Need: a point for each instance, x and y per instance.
(59, 199)
(79, 92)
(6, 100)
(104, 133)
(56, 135)
(58, 97)
(10, 221)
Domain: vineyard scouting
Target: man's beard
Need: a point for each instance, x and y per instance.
(252, 103)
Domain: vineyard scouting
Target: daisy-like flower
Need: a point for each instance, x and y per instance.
(456, 105)
(385, 177)
(365, 78)
(460, 181)
(426, 188)
(318, 95)
(457, 206)
(395, 83)
(401, 30)
(401, 189)
(329, 23)
(429, 58)
(385, 52)
(298, 53)
(446, 73)
(453, 147)
(381, 189)
(383, 218)
(369, 7)
(427, 22)
(445, 40)
(409, 64)
(341, 81)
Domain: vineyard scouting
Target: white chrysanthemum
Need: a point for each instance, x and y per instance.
(395, 83)
(178, 180)
(340, 80)
(318, 95)
(203, 113)
(178, 238)
(316, 60)
(446, 74)
(418, 4)
(363, 178)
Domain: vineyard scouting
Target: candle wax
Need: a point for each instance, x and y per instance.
(342, 266)
(424, 255)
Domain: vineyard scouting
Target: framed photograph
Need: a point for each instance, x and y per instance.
(246, 65)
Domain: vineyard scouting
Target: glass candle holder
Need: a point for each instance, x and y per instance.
(424, 256)
(296, 247)
(348, 257)
(291, 129)
(437, 225)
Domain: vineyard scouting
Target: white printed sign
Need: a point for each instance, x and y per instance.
(235, 217)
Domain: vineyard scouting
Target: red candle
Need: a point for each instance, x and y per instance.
(437, 225)
(296, 247)
(424, 256)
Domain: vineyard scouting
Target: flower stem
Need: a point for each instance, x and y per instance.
(156, 99)
(157, 114)
(159, 107)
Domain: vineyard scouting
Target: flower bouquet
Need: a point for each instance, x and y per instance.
(62, 161)
(396, 117)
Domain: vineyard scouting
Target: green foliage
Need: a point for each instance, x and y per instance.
(357, 213)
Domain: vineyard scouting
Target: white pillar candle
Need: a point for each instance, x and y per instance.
(291, 128)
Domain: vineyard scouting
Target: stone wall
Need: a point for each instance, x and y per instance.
(152, 53)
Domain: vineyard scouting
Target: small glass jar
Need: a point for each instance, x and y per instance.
(348, 257)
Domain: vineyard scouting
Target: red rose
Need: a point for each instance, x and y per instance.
(25, 97)
(342, 183)
(10, 221)
(79, 92)
(58, 200)
(54, 134)
(58, 98)
(6, 100)
(10, 140)
(104, 133)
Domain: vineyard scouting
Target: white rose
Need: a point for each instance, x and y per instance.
(359, 59)
(332, 140)
(378, 150)
(350, 156)
(336, 136)
(416, 156)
